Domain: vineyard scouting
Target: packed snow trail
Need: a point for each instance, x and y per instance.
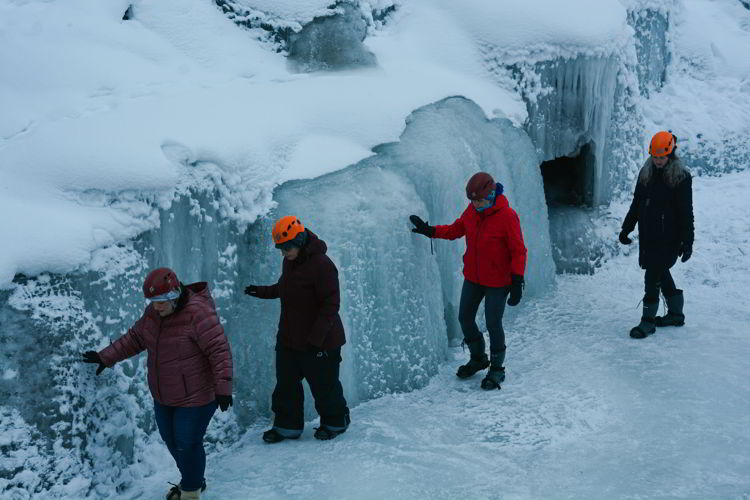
(585, 412)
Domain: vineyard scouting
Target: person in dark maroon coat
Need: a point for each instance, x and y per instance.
(494, 265)
(310, 334)
(189, 368)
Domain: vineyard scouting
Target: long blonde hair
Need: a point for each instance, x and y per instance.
(674, 172)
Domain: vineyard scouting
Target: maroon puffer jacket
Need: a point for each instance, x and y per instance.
(309, 292)
(189, 360)
(494, 243)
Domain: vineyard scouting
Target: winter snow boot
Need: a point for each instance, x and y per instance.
(674, 316)
(647, 326)
(326, 432)
(274, 436)
(496, 375)
(478, 360)
(175, 493)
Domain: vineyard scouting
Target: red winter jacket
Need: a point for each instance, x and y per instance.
(494, 243)
(189, 360)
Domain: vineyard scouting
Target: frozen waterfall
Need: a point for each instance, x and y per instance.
(399, 301)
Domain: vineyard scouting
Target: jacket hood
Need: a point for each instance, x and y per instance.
(313, 246)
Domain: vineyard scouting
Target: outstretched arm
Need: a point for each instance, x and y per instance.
(126, 346)
(451, 232)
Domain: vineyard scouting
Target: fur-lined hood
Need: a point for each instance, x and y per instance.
(674, 172)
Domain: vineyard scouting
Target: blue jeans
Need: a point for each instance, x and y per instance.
(182, 429)
(494, 307)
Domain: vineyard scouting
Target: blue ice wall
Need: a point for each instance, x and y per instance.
(398, 306)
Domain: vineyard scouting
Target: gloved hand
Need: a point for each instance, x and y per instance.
(686, 250)
(224, 402)
(93, 357)
(251, 290)
(624, 238)
(516, 289)
(422, 227)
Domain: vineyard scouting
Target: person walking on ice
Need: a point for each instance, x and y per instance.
(189, 369)
(662, 207)
(310, 335)
(494, 265)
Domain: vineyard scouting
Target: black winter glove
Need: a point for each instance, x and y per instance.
(686, 250)
(624, 238)
(93, 357)
(224, 402)
(516, 289)
(422, 227)
(251, 290)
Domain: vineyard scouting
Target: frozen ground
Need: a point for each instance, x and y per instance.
(586, 412)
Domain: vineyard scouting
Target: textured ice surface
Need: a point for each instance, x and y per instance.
(585, 412)
(331, 43)
(399, 302)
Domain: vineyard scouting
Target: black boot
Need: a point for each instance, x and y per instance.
(274, 436)
(647, 325)
(326, 432)
(478, 360)
(674, 316)
(496, 375)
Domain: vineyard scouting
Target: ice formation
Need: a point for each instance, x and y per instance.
(173, 133)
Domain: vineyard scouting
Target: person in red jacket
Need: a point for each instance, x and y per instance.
(310, 335)
(189, 369)
(494, 265)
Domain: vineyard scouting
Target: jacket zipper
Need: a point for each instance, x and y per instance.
(156, 362)
(476, 245)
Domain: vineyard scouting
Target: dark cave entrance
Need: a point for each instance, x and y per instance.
(569, 180)
(569, 191)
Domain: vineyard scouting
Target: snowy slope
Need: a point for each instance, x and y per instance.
(586, 412)
(125, 108)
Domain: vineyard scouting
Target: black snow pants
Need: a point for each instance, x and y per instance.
(321, 370)
(656, 280)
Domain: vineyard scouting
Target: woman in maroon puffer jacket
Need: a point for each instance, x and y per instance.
(310, 335)
(189, 368)
(494, 265)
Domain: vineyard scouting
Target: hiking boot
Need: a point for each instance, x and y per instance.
(496, 375)
(175, 493)
(325, 433)
(493, 379)
(474, 365)
(274, 436)
(674, 316)
(478, 360)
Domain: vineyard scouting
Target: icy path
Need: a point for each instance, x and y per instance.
(586, 412)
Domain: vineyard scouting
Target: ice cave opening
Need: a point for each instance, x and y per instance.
(569, 180)
(569, 185)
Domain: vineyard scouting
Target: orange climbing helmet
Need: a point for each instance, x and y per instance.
(286, 229)
(662, 144)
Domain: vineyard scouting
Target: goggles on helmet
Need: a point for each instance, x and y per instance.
(171, 295)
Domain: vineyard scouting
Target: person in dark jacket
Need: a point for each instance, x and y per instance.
(663, 209)
(310, 335)
(494, 265)
(189, 369)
